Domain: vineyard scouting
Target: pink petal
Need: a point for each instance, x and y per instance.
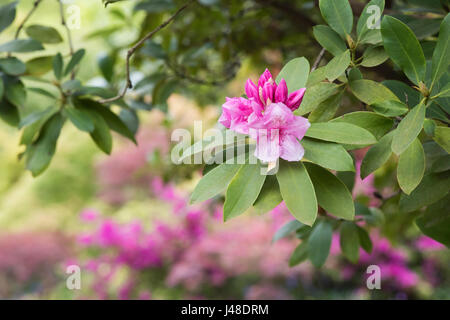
(267, 145)
(281, 92)
(251, 90)
(264, 78)
(291, 149)
(297, 127)
(295, 98)
(268, 92)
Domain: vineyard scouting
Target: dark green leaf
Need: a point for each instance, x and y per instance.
(269, 197)
(408, 129)
(377, 155)
(299, 255)
(319, 243)
(329, 39)
(349, 241)
(21, 45)
(12, 66)
(74, 61)
(287, 229)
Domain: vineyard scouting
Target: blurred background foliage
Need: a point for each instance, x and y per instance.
(182, 75)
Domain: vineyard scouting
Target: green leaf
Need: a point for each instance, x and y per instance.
(243, 190)
(390, 108)
(326, 110)
(408, 129)
(340, 132)
(9, 113)
(441, 164)
(377, 155)
(299, 255)
(39, 66)
(42, 92)
(155, 6)
(106, 65)
(338, 65)
(376, 124)
(315, 95)
(435, 221)
(295, 73)
(43, 34)
(15, 92)
(113, 121)
(349, 241)
(34, 126)
(287, 229)
(403, 48)
(316, 77)
(403, 92)
(58, 65)
(338, 14)
(7, 15)
(371, 92)
(374, 56)
(442, 137)
(364, 240)
(40, 153)
(101, 134)
(329, 155)
(411, 167)
(366, 35)
(71, 85)
(269, 197)
(21, 45)
(2, 88)
(12, 66)
(80, 118)
(332, 194)
(329, 39)
(432, 188)
(214, 182)
(319, 243)
(74, 61)
(297, 191)
(36, 116)
(441, 55)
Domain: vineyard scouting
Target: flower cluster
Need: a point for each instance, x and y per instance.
(267, 116)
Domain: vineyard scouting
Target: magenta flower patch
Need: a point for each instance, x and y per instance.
(267, 115)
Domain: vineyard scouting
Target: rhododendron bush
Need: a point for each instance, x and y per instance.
(262, 149)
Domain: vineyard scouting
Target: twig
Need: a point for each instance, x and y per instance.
(318, 59)
(133, 49)
(69, 35)
(22, 24)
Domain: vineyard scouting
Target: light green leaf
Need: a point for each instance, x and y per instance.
(340, 132)
(43, 34)
(442, 137)
(36, 116)
(377, 155)
(326, 110)
(329, 155)
(338, 65)
(39, 66)
(329, 39)
(374, 56)
(390, 108)
(315, 95)
(411, 167)
(297, 191)
(21, 45)
(432, 188)
(441, 55)
(295, 73)
(349, 241)
(403, 48)
(332, 194)
(243, 190)
(319, 243)
(287, 229)
(371, 92)
(74, 61)
(338, 14)
(366, 35)
(269, 197)
(214, 182)
(375, 123)
(408, 129)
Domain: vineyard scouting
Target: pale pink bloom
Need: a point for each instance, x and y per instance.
(277, 133)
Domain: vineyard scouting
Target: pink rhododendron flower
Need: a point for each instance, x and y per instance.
(267, 116)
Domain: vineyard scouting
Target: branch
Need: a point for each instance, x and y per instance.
(318, 59)
(133, 49)
(22, 24)
(69, 35)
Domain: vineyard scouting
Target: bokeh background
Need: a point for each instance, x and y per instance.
(126, 221)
